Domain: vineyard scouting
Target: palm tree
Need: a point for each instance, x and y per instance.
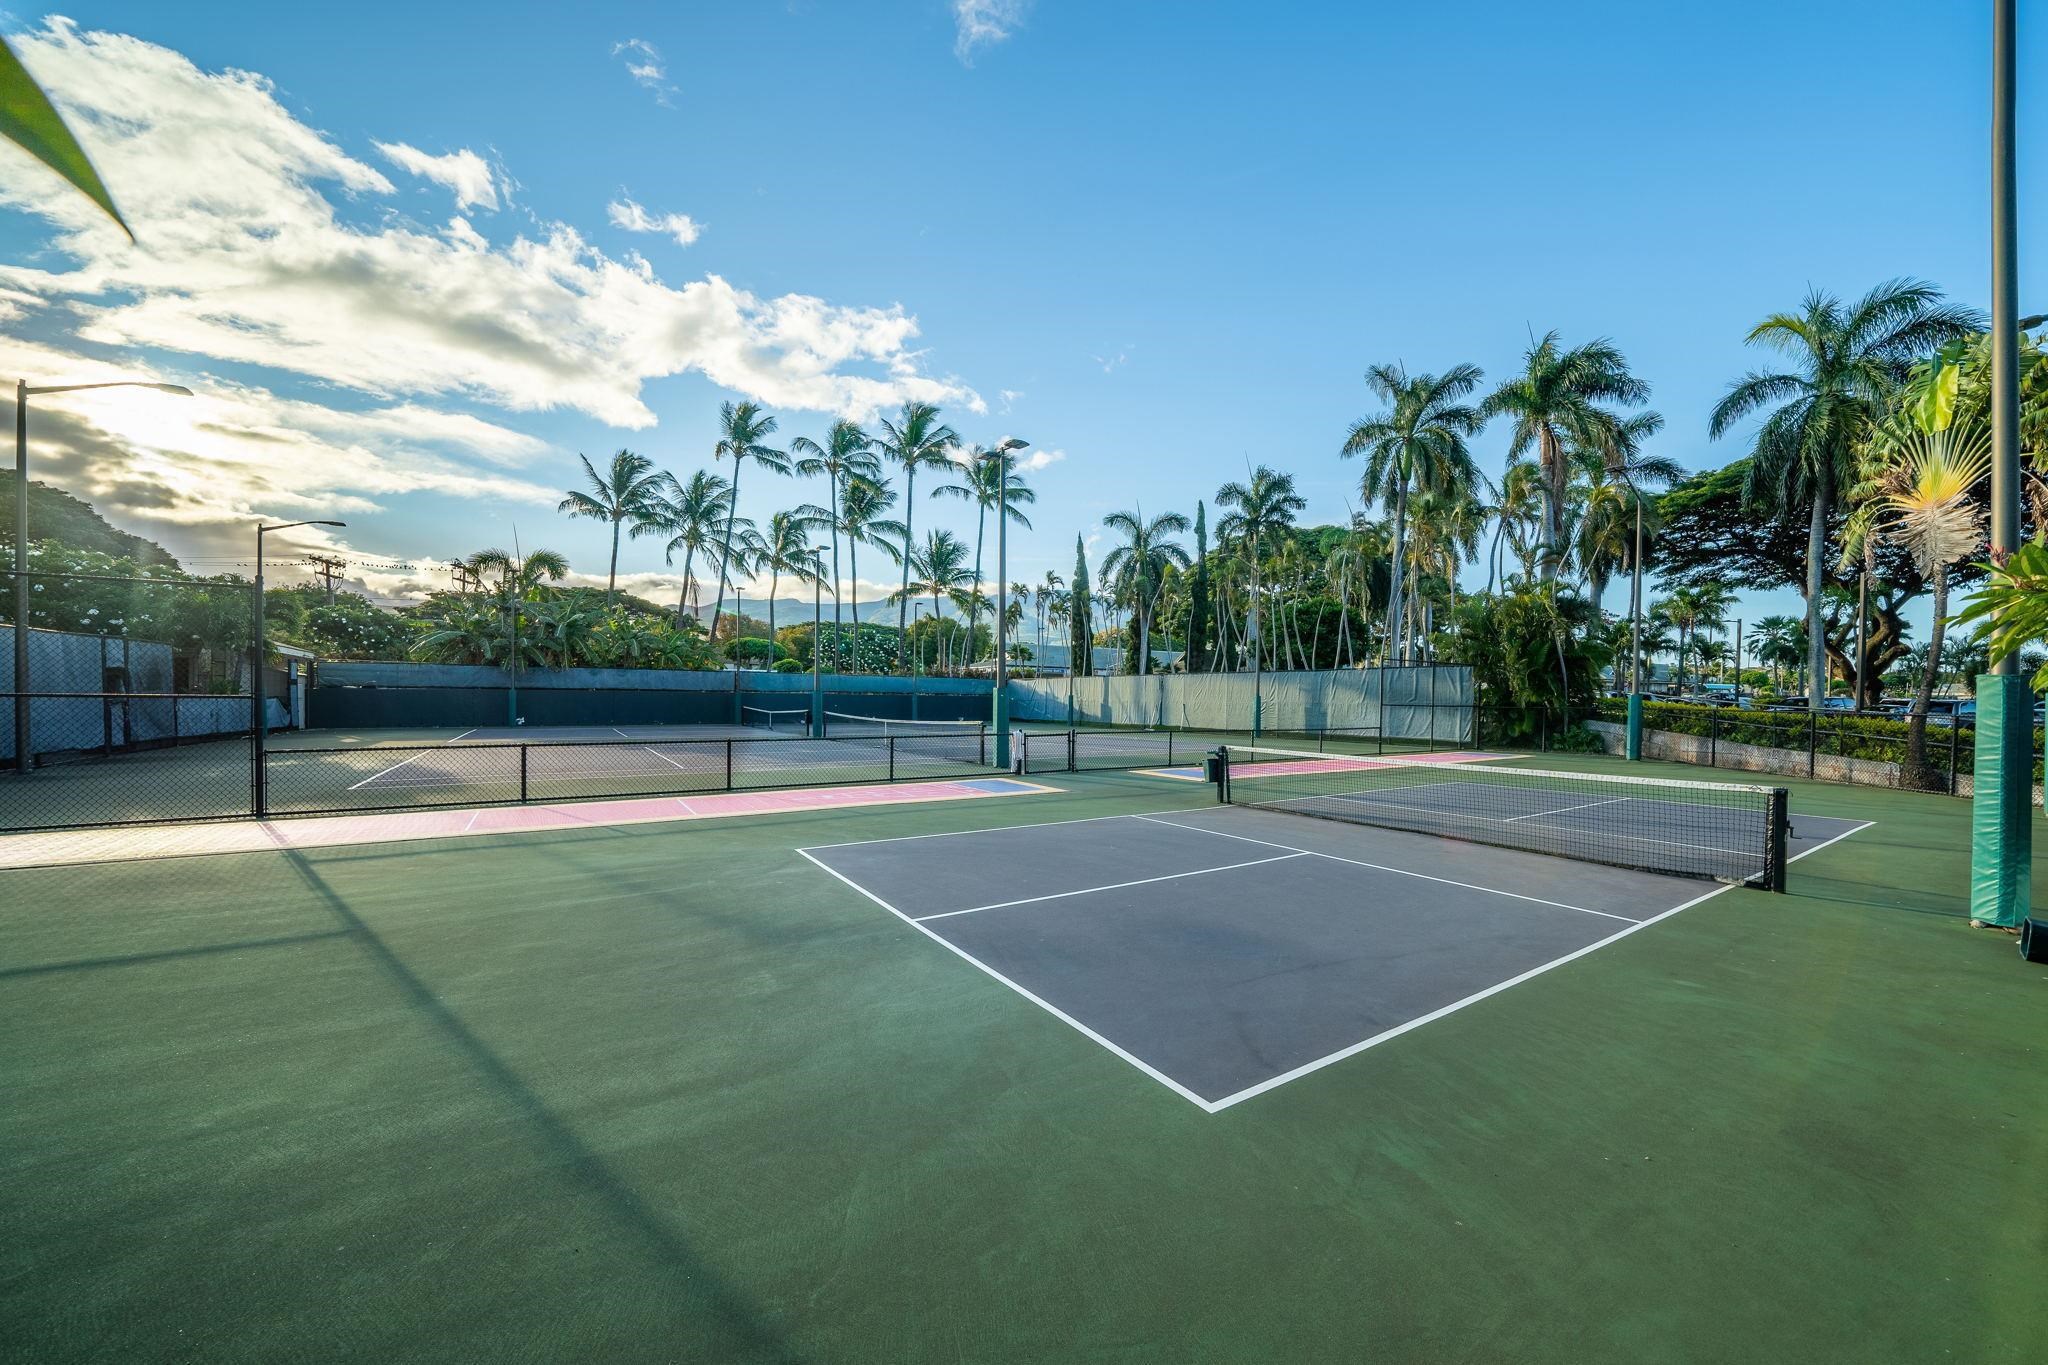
(861, 522)
(786, 549)
(1516, 506)
(980, 485)
(1259, 514)
(748, 549)
(630, 491)
(918, 440)
(848, 453)
(743, 430)
(1916, 489)
(1557, 403)
(1418, 442)
(1135, 568)
(689, 514)
(1845, 364)
(1778, 643)
(937, 568)
(1691, 610)
(517, 579)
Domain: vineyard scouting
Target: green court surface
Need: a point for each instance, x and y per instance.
(670, 1093)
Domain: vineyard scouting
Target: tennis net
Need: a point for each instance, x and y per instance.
(1725, 831)
(841, 724)
(776, 718)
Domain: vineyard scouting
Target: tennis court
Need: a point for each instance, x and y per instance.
(668, 1091)
(1228, 951)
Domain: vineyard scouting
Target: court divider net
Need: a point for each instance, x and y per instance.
(1730, 832)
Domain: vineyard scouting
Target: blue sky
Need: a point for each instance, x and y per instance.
(1157, 240)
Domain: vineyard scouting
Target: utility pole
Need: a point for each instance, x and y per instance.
(326, 567)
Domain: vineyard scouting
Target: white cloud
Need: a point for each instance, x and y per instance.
(467, 175)
(625, 213)
(1112, 363)
(1009, 397)
(645, 65)
(1040, 459)
(247, 257)
(984, 23)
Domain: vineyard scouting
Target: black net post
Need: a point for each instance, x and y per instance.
(1812, 742)
(1780, 827)
(1952, 729)
(728, 761)
(522, 774)
(1073, 750)
(891, 743)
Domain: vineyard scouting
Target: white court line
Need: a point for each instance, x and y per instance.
(665, 758)
(950, 833)
(1113, 886)
(392, 769)
(1567, 809)
(1154, 1072)
(465, 734)
(1273, 1082)
(1381, 867)
(1216, 1106)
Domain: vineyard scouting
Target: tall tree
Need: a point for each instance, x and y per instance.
(863, 505)
(1419, 441)
(1692, 610)
(1080, 615)
(938, 569)
(629, 491)
(743, 432)
(1135, 569)
(1257, 517)
(848, 453)
(1560, 401)
(980, 485)
(916, 440)
(786, 549)
(689, 514)
(1198, 595)
(1845, 363)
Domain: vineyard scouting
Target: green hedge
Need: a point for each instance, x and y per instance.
(1839, 736)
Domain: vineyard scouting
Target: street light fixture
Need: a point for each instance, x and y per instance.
(259, 785)
(23, 391)
(1001, 458)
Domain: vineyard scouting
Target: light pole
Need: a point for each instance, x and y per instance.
(2001, 821)
(1634, 741)
(817, 631)
(23, 391)
(1000, 456)
(259, 785)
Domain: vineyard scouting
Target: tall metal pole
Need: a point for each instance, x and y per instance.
(1632, 744)
(258, 795)
(1738, 661)
(817, 630)
(2001, 816)
(1002, 697)
(21, 740)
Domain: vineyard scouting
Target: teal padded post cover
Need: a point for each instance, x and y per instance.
(2001, 813)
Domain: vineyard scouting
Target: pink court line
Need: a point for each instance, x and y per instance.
(54, 848)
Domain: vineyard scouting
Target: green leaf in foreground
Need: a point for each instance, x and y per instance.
(28, 117)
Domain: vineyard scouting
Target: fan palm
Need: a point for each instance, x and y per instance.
(1779, 643)
(1915, 487)
(1845, 364)
(1517, 504)
(1135, 569)
(1556, 403)
(629, 491)
(689, 514)
(917, 440)
(848, 453)
(1418, 442)
(743, 431)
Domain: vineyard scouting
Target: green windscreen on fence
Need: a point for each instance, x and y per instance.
(1424, 703)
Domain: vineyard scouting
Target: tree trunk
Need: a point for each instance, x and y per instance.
(725, 552)
(684, 596)
(1553, 502)
(853, 586)
(1917, 772)
(611, 578)
(774, 586)
(1816, 565)
(903, 603)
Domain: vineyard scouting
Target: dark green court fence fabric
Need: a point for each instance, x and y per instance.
(2001, 817)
